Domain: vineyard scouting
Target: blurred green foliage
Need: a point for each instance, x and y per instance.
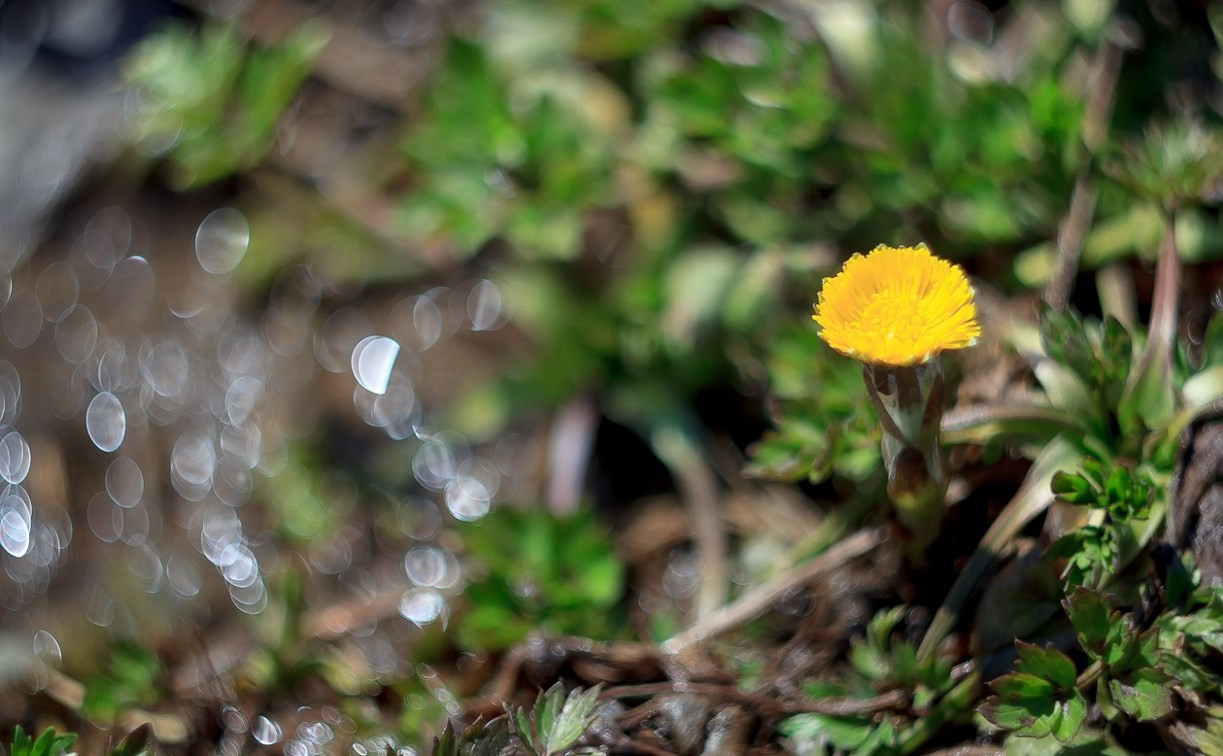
(538, 573)
(211, 100)
(134, 677)
(825, 422)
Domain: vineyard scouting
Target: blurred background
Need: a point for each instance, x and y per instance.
(345, 346)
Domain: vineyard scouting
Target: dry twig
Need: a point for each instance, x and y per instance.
(757, 601)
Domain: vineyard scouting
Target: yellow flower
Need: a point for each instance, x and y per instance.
(897, 306)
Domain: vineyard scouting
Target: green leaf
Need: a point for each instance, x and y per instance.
(1092, 617)
(1022, 702)
(1129, 650)
(1073, 488)
(1145, 694)
(138, 742)
(574, 719)
(447, 743)
(1064, 338)
(1089, 551)
(1026, 689)
(478, 739)
(1070, 716)
(843, 733)
(522, 722)
(1190, 672)
(1047, 663)
(491, 739)
(49, 743)
(1067, 392)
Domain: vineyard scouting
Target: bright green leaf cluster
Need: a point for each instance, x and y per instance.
(498, 157)
(211, 100)
(133, 677)
(1121, 495)
(1124, 493)
(557, 721)
(49, 743)
(551, 727)
(542, 573)
(1134, 674)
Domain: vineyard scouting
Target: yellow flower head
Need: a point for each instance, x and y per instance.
(897, 306)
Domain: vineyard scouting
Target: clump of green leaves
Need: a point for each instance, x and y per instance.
(1118, 496)
(1135, 671)
(134, 676)
(478, 739)
(1046, 695)
(541, 573)
(553, 726)
(557, 721)
(496, 157)
(1173, 164)
(1098, 352)
(884, 660)
(758, 92)
(741, 120)
(49, 743)
(880, 661)
(212, 100)
(1040, 697)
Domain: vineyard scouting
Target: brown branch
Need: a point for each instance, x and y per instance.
(840, 706)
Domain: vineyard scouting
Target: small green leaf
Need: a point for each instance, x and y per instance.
(574, 720)
(1020, 687)
(522, 722)
(843, 733)
(48, 743)
(1071, 714)
(1191, 673)
(1073, 488)
(1104, 699)
(1021, 702)
(1047, 663)
(138, 742)
(1128, 650)
(447, 743)
(491, 739)
(22, 744)
(1146, 694)
(1090, 614)
(547, 708)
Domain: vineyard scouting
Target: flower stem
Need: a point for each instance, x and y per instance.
(909, 402)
